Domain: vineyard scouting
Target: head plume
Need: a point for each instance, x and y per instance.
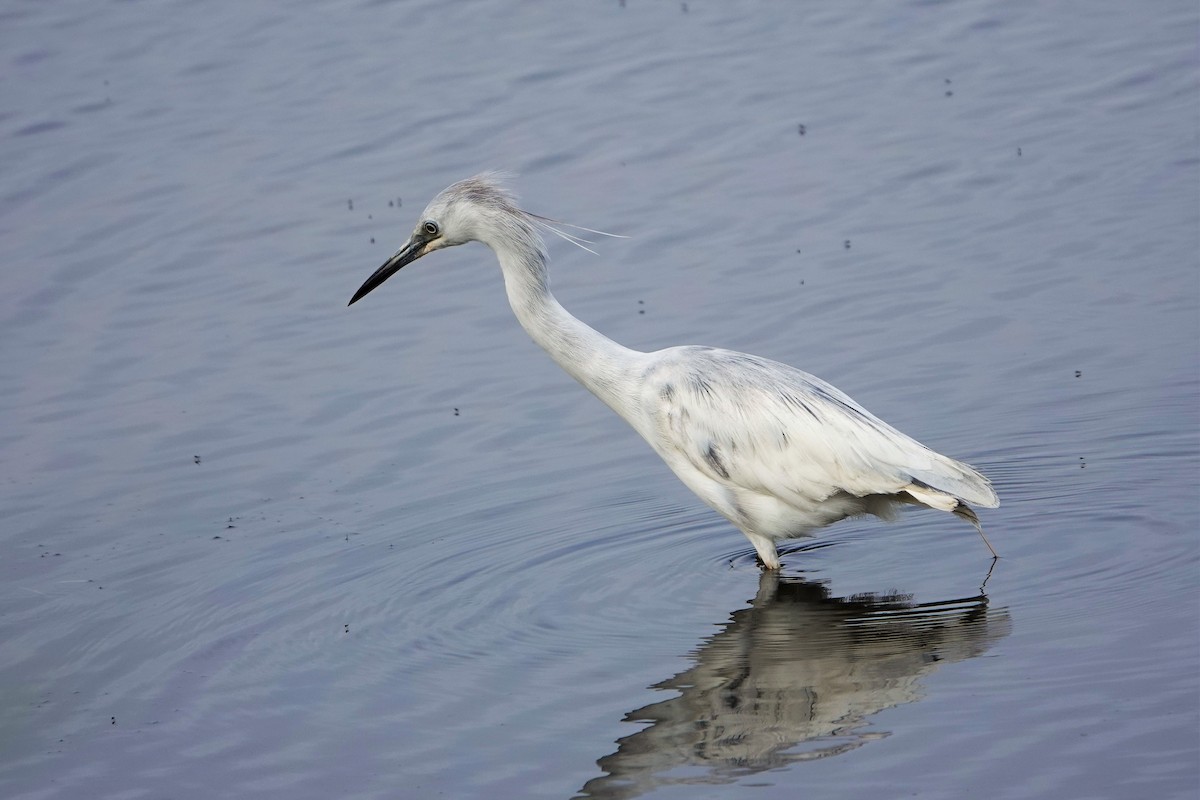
(488, 193)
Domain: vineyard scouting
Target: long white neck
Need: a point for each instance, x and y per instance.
(604, 367)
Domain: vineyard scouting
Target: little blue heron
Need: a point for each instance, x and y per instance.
(776, 451)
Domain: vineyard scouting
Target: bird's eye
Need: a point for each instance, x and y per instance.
(431, 228)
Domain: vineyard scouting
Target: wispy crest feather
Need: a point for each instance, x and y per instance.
(492, 187)
(547, 224)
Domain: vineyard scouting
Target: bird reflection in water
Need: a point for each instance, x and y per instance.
(794, 677)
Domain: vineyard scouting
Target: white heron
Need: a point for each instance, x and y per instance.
(776, 451)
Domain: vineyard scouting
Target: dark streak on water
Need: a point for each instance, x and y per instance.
(249, 547)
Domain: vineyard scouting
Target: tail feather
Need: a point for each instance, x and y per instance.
(958, 479)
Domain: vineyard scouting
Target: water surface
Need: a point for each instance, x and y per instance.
(257, 544)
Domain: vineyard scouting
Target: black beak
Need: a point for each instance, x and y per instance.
(411, 251)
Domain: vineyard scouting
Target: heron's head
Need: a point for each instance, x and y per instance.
(478, 209)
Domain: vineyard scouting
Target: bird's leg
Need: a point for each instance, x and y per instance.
(966, 512)
(979, 528)
(766, 550)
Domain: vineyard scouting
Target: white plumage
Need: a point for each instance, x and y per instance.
(776, 451)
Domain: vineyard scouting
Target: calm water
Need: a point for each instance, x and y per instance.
(257, 544)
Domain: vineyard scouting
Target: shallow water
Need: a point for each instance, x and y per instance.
(256, 544)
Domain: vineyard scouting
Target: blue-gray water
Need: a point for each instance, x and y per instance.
(256, 544)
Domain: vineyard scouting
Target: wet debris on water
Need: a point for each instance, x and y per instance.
(195, 459)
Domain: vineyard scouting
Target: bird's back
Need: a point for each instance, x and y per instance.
(765, 427)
